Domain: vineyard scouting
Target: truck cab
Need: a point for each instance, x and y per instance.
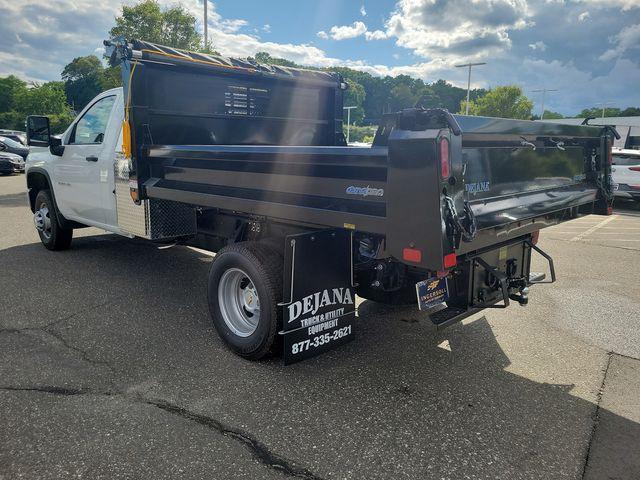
(77, 168)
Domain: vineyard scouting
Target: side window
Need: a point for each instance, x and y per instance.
(91, 127)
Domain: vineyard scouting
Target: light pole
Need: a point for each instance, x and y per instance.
(604, 104)
(348, 109)
(544, 93)
(206, 35)
(469, 78)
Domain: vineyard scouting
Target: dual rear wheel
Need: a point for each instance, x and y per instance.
(245, 287)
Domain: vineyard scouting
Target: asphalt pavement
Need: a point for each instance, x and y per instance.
(109, 368)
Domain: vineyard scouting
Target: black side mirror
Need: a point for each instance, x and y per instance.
(38, 131)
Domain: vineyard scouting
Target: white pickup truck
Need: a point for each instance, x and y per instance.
(249, 161)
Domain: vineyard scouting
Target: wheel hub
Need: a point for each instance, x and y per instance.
(42, 220)
(239, 302)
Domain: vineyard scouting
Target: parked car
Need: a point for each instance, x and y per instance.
(11, 163)
(15, 135)
(625, 172)
(11, 146)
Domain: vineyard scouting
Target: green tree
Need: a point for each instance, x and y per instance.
(354, 97)
(597, 112)
(82, 80)
(549, 115)
(46, 99)
(10, 88)
(503, 102)
(174, 27)
(264, 57)
(630, 112)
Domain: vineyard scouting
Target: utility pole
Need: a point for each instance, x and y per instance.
(469, 78)
(544, 93)
(348, 109)
(604, 104)
(206, 34)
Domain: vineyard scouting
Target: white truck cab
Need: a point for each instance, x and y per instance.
(80, 170)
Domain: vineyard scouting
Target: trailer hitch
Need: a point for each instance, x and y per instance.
(509, 286)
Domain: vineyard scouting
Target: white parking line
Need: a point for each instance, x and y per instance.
(594, 228)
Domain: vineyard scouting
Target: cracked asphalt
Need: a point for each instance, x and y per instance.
(109, 368)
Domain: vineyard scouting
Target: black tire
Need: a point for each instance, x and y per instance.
(263, 265)
(404, 296)
(57, 238)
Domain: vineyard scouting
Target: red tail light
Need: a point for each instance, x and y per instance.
(412, 255)
(449, 260)
(445, 169)
(635, 169)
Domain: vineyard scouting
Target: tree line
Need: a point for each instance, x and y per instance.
(85, 77)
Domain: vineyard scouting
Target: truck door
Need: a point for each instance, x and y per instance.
(82, 172)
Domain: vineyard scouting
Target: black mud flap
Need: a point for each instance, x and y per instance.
(319, 299)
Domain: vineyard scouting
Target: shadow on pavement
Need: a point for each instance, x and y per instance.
(401, 401)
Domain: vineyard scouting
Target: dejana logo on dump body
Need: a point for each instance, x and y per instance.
(365, 191)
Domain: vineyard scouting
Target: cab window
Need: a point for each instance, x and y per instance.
(91, 127)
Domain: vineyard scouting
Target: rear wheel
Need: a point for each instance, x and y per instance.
(45, 218)
(245, 286)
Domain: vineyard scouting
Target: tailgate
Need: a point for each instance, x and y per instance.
(517, 170)
(457, 184)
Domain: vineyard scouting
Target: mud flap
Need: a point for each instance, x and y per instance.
(318, 293)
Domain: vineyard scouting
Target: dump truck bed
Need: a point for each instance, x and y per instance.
(195, 143)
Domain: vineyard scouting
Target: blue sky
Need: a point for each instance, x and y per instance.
(589, 50)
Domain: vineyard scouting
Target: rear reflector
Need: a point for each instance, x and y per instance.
(609, 210)
(412, 255)
(444, 158)
(449, 260)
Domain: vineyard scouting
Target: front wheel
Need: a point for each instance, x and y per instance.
(45, 217)
(245, 286)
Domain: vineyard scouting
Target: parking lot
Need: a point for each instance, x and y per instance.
(109, 368)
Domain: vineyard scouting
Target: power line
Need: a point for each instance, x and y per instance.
(469, 78)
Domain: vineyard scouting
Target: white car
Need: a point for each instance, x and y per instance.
(626, 173)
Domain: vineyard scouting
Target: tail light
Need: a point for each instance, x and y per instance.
(445, 169)
(412, 255)
(635, 169)
(449, 261)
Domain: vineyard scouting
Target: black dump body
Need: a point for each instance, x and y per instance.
(267, 142)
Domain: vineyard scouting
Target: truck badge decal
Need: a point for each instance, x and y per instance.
(477, 187)
(312, 303)
(365, 191)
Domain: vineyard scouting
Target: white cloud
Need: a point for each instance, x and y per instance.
(266, 28)
(624, 5)
(539, 45)
(363, 11)
(376, 35)
(345, 32)
(583, 16)
(322, 34)
(464, 28)
(627, 39)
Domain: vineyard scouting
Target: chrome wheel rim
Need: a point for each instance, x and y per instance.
(42, 220)
(239, 302)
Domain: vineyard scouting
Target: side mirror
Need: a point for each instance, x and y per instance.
(38, 131)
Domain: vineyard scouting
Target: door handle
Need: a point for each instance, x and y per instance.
(92, 159)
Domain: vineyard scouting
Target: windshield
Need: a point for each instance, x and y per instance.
(11, 143)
